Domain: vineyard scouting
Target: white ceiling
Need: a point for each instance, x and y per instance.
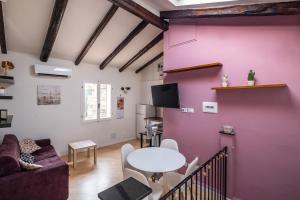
(26, 24)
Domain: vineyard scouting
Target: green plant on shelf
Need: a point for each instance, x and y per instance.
(251, 75)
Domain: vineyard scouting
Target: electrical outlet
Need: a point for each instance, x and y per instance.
(184, 110)
(188, 110)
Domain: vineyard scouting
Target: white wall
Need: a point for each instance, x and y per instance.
(150, 76)
(62, 123)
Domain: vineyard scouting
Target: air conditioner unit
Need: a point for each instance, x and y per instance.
(47, 70)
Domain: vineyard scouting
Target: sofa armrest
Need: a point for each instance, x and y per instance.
(43, 142)
(48, 183)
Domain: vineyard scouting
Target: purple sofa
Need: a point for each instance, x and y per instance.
(51, 182)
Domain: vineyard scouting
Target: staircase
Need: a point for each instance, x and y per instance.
(208, 182)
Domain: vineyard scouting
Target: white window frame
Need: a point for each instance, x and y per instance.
(111, 103)
(98, 102)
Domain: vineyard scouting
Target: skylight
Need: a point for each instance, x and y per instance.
(195, 2)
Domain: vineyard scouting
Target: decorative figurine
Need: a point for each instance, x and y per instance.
(7, 65)
(225, 80)
(251, 79)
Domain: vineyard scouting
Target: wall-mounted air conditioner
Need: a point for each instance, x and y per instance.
(47, 70)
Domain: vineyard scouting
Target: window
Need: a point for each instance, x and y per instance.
(105, 101)
(97, 101)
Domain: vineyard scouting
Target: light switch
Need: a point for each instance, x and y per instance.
(210, 107)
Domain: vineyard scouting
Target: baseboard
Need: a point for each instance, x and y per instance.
(120, 141)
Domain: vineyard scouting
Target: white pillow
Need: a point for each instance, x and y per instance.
(29, 166)
(28, 146)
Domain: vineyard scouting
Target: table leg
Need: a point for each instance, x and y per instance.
(88, 152)
(159, 139)
(165, 183)
(74, 158)
(142, 140)
(150, 144)
(95, 155)
(69, 154)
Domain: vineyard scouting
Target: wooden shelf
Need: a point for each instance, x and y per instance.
(198, 67)
(6, 97)
(250, 87)
(6, 123)
(6, 81)
(231, 134)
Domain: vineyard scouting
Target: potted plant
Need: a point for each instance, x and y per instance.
(251, 80)
(7, 65)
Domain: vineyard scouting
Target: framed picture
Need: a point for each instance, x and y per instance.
(3, 114)
(48, 95)
(120, 107)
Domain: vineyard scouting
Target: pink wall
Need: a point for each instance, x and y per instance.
(267, 121)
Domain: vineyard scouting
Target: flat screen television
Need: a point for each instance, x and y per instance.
(165, 95)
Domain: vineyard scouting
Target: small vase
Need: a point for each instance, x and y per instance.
(225, 84)
(251, 83)
(2, 91)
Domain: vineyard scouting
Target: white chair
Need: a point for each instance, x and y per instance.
(169, 144)
(156, 187)
(126, 149)
(174, 178)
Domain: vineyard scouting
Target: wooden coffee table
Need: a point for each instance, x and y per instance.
(81, 145)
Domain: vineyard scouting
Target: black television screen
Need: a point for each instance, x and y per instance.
(165, 95)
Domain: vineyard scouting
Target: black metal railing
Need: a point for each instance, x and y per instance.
(208, 182)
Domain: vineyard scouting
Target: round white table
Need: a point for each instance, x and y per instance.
(156, 160)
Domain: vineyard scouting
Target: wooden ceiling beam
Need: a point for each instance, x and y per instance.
(2, 31)
(56, 18)
(259, 9)
(96, 33)
(124, 43)
(142, 13)
(149, 62)
(143, 51)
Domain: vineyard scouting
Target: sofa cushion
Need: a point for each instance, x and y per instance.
(29, 166)
(44, 153)
(28, 146)
(43, 142)
(26, 157)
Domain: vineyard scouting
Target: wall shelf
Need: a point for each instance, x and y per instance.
(198, 67)
(250, 87)
(6, 123)
(6, 97)
(224, 133)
